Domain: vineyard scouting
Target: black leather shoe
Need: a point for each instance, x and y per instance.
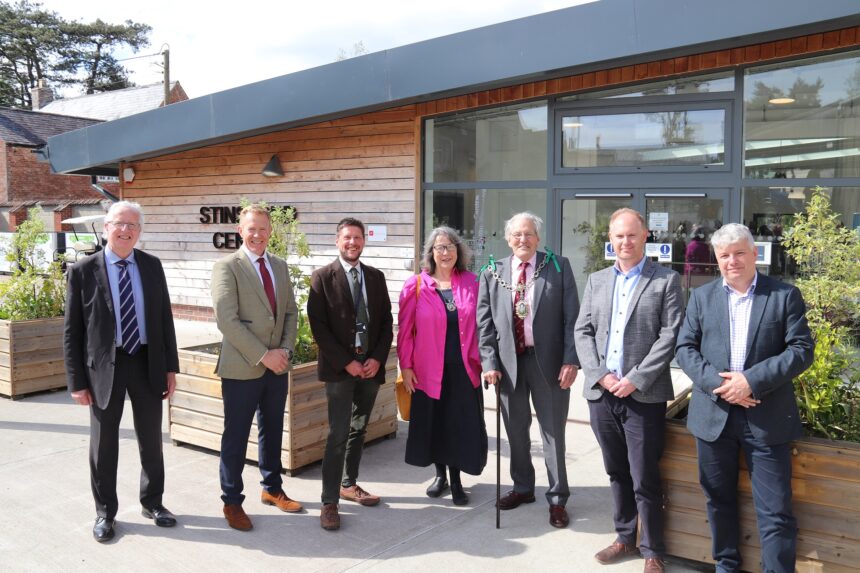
(160, 514)
(458, 496)
(103, 529)
(438, 486)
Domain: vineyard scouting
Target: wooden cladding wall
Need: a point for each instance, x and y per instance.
(362, 166)
(696, 63)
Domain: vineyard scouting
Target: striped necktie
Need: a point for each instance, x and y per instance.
(128, 315)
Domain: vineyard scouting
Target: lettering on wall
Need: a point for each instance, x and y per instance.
(226, 215)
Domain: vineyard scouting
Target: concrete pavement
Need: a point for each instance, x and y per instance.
(46, 509)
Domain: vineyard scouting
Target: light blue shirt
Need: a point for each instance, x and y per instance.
(740, 308)
(625, 284)
(136, 287)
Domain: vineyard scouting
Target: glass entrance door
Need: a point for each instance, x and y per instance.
(680, 225)
(584, 227)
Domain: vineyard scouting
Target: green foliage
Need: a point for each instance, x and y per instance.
(38, 44)
(289, 242)
(596, 237)
(30, 292)
(828, 395)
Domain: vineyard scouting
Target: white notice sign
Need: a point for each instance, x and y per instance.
(608, 252)
(763, 253)
(658, 221)
(377, 233)
(661, 251)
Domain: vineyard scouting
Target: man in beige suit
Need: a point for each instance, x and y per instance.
(256, 312)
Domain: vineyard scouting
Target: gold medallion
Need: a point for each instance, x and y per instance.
(522, 309)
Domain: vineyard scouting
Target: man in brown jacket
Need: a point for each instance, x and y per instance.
(350, 315)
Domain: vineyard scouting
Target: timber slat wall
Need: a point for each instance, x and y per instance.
(31, 356)
(362, 166)
(826, 494)
(196, 411)
(366, 165)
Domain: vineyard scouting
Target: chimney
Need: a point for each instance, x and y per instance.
(41, 95)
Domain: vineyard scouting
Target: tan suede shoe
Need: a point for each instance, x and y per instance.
(237, 518)
(281, 501)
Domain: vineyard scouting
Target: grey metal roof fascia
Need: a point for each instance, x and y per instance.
(506, 53)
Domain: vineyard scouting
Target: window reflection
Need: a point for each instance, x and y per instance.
(801, 121)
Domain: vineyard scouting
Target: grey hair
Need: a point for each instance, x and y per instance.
(120, 205)
(536, 222)
(464, 253)
(730, 234)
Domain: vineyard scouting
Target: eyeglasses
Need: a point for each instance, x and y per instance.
(442, 249)
(527, 236)
(124, 226)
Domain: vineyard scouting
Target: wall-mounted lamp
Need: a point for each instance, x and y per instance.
(128, 174)
(273, 167)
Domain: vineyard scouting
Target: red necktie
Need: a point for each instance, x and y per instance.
(520, 323)
(267, 284)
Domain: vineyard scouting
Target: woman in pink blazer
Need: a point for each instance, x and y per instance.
(437, 345)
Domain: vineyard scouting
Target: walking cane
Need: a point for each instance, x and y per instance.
(498, 451)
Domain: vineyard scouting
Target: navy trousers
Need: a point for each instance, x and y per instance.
(267, 396)
(631, 436)
(770, 474)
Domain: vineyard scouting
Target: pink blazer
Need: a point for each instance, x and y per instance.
(424, 352)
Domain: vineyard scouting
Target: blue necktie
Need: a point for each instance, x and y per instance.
(128, 315)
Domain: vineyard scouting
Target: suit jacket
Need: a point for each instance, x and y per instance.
(245, 317)
(89, 338)
(556, 304)
(779, 347)
(331, 312)
(654, 316)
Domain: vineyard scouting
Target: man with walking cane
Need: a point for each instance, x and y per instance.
(527, 308)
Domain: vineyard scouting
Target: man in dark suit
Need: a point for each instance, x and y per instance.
(119, 338)
(744, 339)
(625, 339)
(527, 307)
(350, 315)
(257, 315)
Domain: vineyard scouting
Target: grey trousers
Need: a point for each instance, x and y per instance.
(551, 406)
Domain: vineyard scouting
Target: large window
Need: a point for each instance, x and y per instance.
(683, 135)
(703, 84)
(802, 119)
(479, 215)
(501, 144)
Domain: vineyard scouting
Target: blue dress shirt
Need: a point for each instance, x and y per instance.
(111, 259)
(625, 284)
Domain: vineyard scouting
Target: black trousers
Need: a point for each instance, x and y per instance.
(131, 374)
(349, 406)
(267, 396)
(631, 435)
(770, 473)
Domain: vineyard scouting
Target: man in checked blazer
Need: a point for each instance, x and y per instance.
(349, 310)
(625, 339)
(530, 353)
(108, 354)
(743, 341)
(257, 316)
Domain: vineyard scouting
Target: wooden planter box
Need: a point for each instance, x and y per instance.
(826, 488)
(196, 411)
(31, 356)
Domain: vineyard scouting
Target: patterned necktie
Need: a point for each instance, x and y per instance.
(128, 315)
(520, 323)
(361, 311)
(267, 284)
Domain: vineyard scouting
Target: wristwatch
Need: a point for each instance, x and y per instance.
(289, 354)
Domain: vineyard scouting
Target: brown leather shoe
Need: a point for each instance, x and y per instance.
(281, 501)
(329, 518)
(513, 499)
(615, 552)
(558, 516)
(654, 565)
(237, 518)
(358, 495)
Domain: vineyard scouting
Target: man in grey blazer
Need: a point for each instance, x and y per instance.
(257, 315)
(527, 307)
(625, 339)
(744, 338)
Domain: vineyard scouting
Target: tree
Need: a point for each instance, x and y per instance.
(37, 44)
